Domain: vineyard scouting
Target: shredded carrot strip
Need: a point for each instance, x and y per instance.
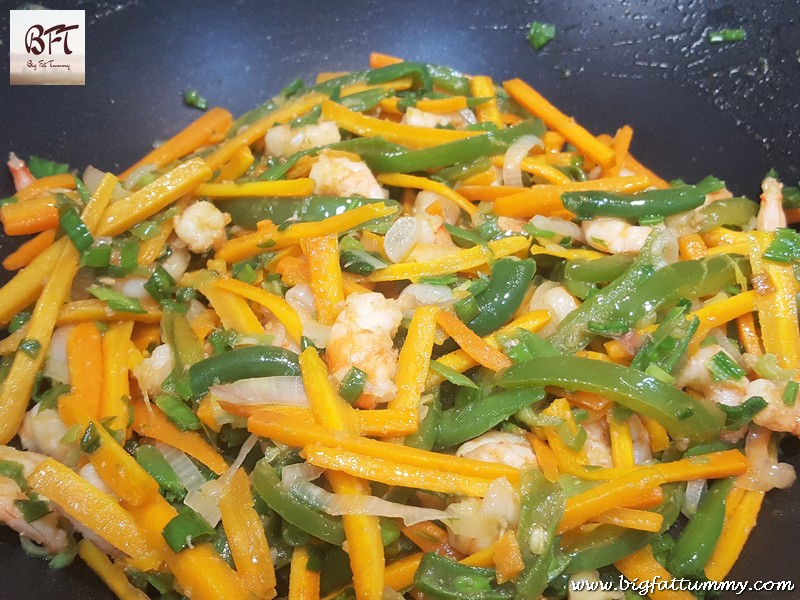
(112, 575)
(94, 509)
(486, 192)
(507, 557)
(149, 250)
(608, 495)
(33, 216)
(268, 238)
(391, 473)
(546, 458)
(620, 144)
(460, 260)
(546, 199)
(642, 566)
(43, 184)
(85, 364)
(196, 134)
(116, 389)
(303, 582)
(748, 335)
(149, 421)
(632, 518)
(482, 86)
(691, 246)
(718, 313)
(325, 276)
(442, 105)
(729, 249)
(471, 343)
(299, 433)
(715, 465)
(569, 460)
(237, 165)
(232, 309)
(22, 256)
(460, 361)
(735, 531)
(222, 191)
(568, 253)
(279, 307)
(246, 538)
(378, 60)
(617, 352)
(363, 532)
(537, 105)
(407, 135)
(659, 438)
(18, 385)
(153, 197)
(777, 310)
(25, 287)
(199, 568)
(720, 236)
(621, 442)
(255, 131)
(423, 183)
(429, 537)
(80, 311)
(537, 167)
(414, 360)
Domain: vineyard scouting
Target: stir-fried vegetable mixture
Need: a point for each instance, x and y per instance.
(402, 332)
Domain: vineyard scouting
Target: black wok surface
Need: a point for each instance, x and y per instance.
(728, 109)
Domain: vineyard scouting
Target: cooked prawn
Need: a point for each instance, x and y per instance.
(500, 447)
(616, 236)
(201, 226)
(284, 140)
(20, 172)
(42, 431)
(340, 176)
(362, 337)
(423, 118)
(770, 213)
(480, 523)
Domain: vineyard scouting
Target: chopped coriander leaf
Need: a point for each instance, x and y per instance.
(541, 34)
(724, 36)
(30, 347)
(116, 301)
(192, 98)
(724, 368)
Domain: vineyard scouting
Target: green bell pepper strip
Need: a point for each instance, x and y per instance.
(498, 302)
(608, 543)
(463, 170)
(587, 205)
(425, 436)
(152, 461)
(242, 363)
(680, 414)
(425, 76)
(268, 485)
(668, 343)
(176, 331)
(541, 510)
(737, 212)
(580, 274)
(697, 540)
(443, 578)
(247, 212)
(464, 423)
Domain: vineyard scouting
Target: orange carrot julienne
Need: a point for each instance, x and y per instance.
(620, 144)
(85, 364)
(472, 343)
(642, 566)
(691, 246)
(303, 582)
(22, 256)
(196, 134)
(579, 137)
(33, 216)
(545, 457)
(378, 60)
(507, 557)
(149, 421)
(429, 537)
(632, 518)
(634, 165)
(325, 276)
(63, 180)
(482, 86)
(748, 335)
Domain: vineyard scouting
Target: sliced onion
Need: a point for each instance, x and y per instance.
(512, 161)
(281, 389)
(401, 238)
(55, 366)
(92, 177)
(345, 504)
(299, 472)
(691, 498)
(137, 174)
(468, 115)
(184, 468)
(204, 505)
(427, 293)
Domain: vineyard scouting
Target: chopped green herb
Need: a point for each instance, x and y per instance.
(655, 371)
(90, 441)
(724, 36)
(352, 385)
(442, 280)
(160, 284)
(178, 412)
(185, 529)
(74, 228)
(18, 320)
(98, 257)
(33, 510)
(116, 301)
(13, 470)
(146, 230)
(607, 329)
(222, 340)
(244, 271)
(536, 232)
(192, 98)
(790, 393)
(724, 368)
(30, 347)
(738, 416)
(466, 308)
(541, 34)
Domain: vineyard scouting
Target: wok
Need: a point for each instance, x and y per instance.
(728, 109)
